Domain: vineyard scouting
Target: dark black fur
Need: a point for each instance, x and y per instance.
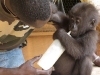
(76, 60)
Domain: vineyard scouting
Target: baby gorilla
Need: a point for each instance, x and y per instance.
(77, 58)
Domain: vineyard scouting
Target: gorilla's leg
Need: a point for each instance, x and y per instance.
(75, 70)
(82, 66)
(64, 65)
(86, 66)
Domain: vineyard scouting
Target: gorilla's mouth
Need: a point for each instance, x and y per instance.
(73, 33)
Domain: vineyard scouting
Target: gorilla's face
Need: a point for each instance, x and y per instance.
(83, 18)
(74, 24)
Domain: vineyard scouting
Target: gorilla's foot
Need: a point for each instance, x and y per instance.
(97, 61)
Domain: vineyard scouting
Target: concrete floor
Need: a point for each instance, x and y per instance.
(96, 70)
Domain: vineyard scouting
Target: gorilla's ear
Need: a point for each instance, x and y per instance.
(93, 22)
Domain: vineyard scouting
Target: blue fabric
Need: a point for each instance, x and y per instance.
(12, 58)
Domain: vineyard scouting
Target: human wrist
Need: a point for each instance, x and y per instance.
(10, 71)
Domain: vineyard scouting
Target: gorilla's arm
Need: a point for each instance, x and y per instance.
(76, 46)
(59, 18)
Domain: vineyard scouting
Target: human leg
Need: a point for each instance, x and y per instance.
(12, 58)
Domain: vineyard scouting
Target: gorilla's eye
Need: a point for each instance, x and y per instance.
(72, 18)
(93, 21)
(77, 21)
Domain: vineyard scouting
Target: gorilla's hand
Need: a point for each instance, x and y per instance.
(58, 33)
(28, 69)
(59, 18)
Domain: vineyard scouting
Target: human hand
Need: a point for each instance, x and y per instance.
(28, 69)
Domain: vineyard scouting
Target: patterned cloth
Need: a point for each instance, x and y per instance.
(12, 32)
